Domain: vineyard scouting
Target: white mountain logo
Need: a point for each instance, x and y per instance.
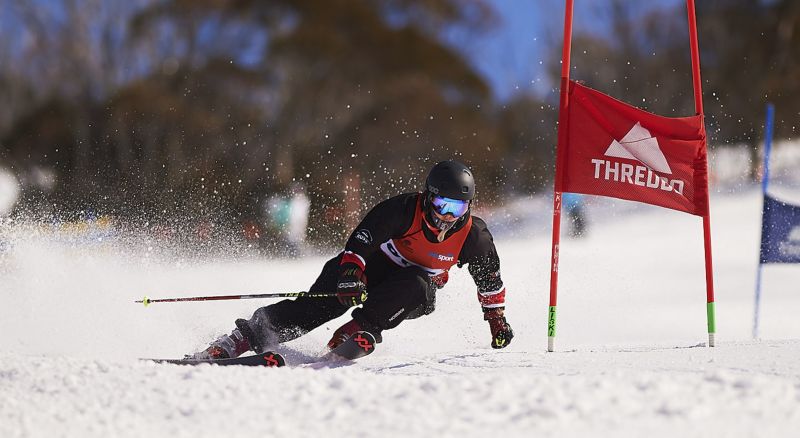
(638, 144)
(794, 235)
(791, 246)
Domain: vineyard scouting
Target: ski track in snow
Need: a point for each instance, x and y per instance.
(630, 361)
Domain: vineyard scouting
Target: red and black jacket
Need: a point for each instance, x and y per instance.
(396, 230)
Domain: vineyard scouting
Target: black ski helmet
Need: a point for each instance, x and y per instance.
(451, 179)
(448, 179)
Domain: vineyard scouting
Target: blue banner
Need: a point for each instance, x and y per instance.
(780, 232)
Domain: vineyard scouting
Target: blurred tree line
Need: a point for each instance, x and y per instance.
(205, 106)
(149, 108)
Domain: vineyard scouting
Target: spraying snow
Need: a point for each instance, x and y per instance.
(9, 191)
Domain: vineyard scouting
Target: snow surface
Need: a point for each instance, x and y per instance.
(9, 191)
(630, 361)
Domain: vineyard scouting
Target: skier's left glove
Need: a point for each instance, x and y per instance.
(501, 329)
(440, 280)
(351, 289)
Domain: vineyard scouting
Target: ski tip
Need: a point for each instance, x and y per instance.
(356, 346)
(365, 341)
(273, 359)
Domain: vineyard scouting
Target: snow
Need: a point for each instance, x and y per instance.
(9, 191)
(630, 354)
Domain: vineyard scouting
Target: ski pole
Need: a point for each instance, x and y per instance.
(146, 301)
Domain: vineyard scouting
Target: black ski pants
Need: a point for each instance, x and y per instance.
(393, 295)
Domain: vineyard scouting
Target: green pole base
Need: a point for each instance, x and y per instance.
(551, 328)
(712, 326)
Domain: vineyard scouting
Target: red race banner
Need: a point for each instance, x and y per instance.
(617, 150)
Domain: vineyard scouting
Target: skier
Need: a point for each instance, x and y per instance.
(398, 256)
(576, 213)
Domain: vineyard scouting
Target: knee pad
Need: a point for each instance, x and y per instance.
(423, 309)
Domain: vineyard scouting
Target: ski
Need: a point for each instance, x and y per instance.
(356, 346)
(267, 359)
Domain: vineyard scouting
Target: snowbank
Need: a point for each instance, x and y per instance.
(630, 359)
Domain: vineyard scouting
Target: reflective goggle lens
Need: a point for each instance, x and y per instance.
(443, 206)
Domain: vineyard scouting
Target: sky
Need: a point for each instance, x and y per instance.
(512, 57)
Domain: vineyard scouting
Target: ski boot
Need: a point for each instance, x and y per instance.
(344, 332)
(226, 347)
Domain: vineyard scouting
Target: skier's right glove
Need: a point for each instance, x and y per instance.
(501, 329)
(351, 289)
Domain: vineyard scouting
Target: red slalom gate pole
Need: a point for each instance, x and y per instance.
(698, 106)
(557, 187)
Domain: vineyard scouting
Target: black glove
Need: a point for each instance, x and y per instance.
(351, 289)
(501, 329)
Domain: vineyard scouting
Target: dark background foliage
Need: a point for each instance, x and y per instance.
(170, 108)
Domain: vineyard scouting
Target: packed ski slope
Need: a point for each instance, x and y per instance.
(630, 357)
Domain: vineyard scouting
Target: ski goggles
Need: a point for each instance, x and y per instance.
(443, 206)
